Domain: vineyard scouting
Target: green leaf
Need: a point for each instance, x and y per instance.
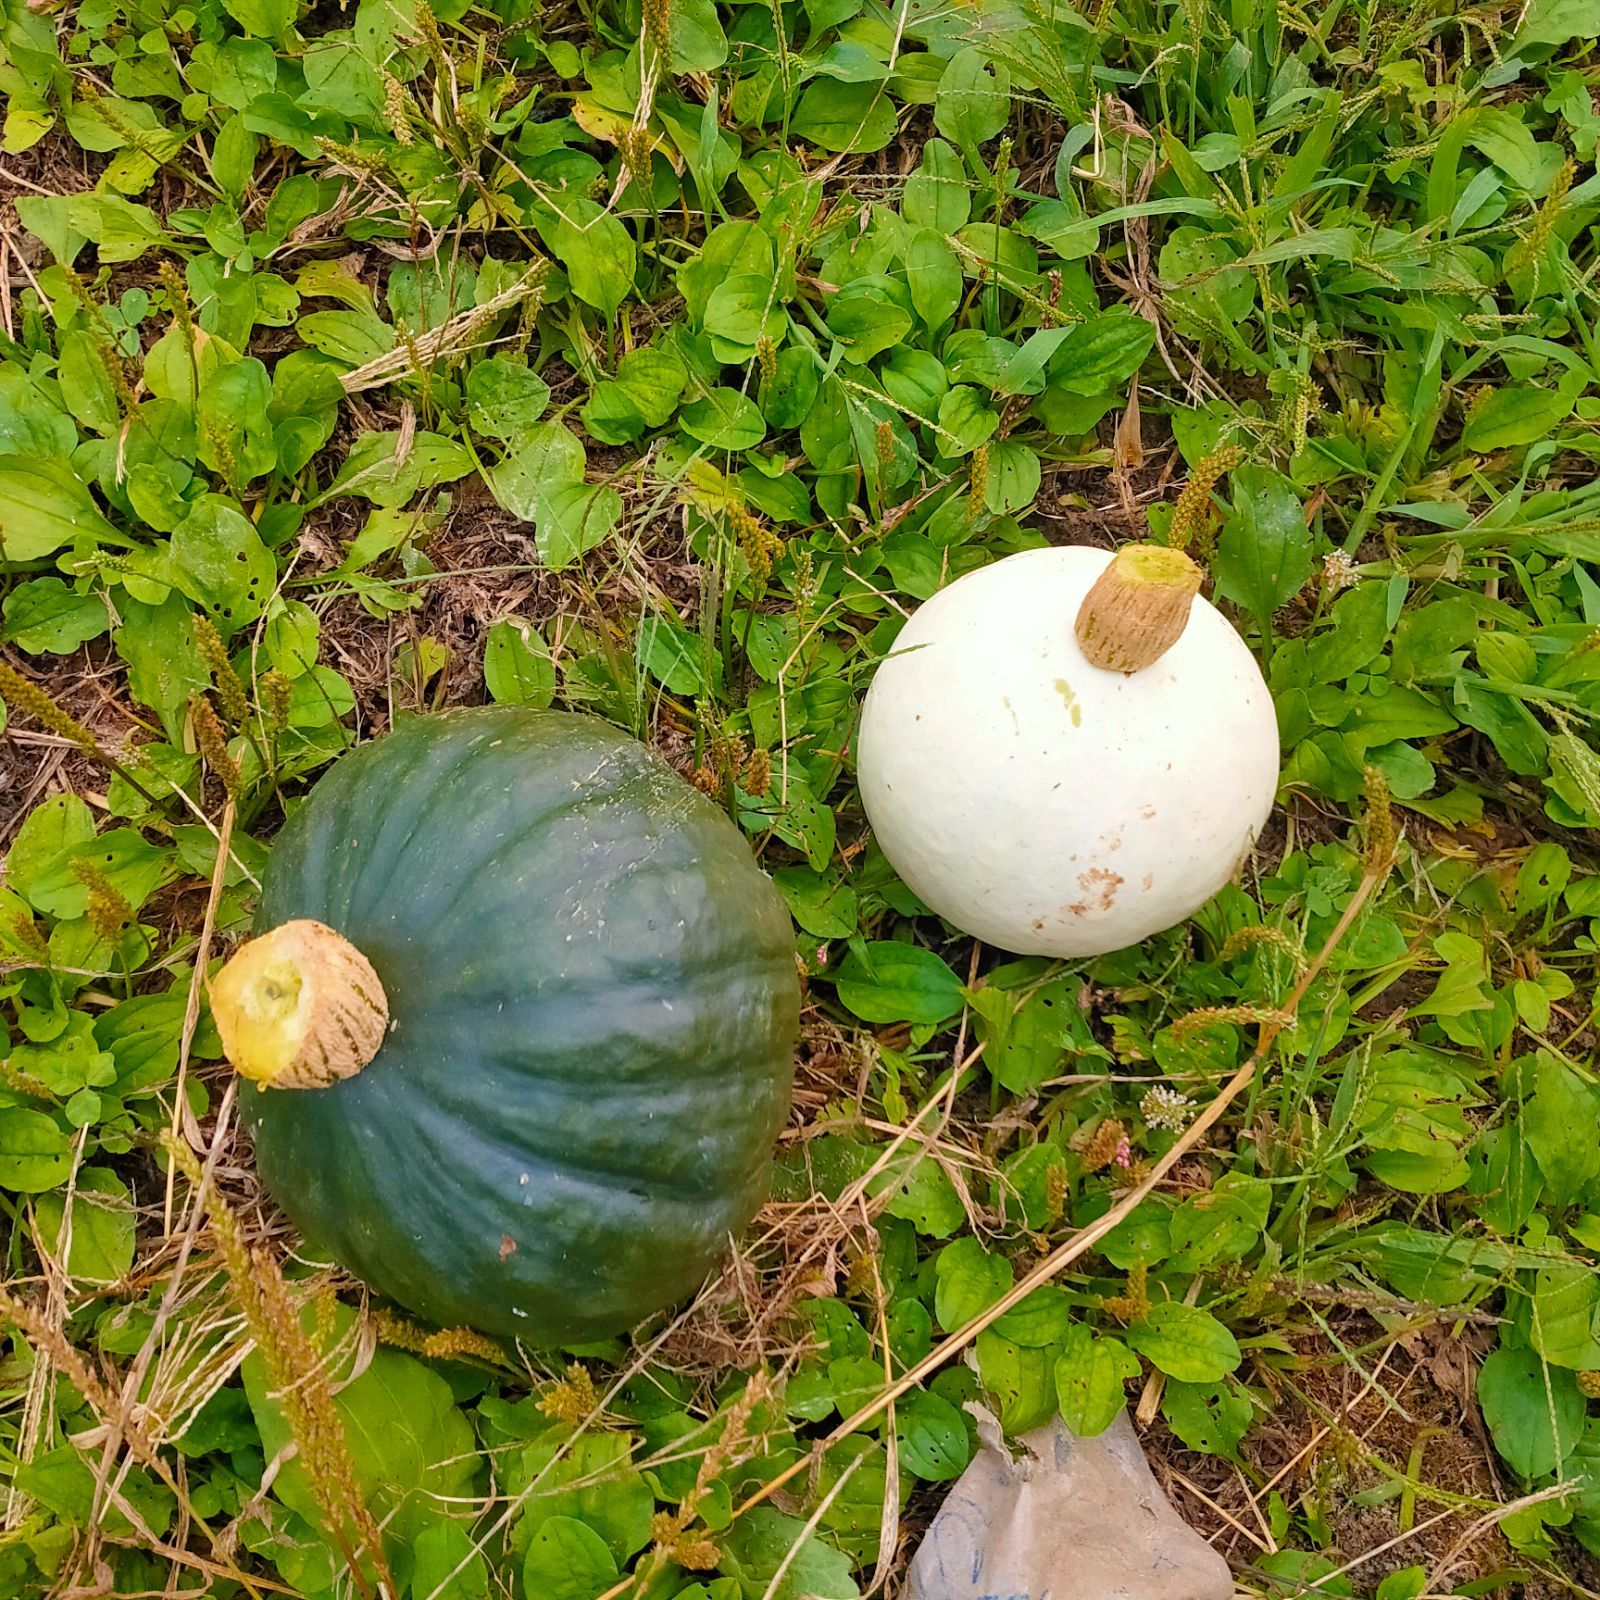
(69, 1061)
(1102, 353)
(164, 664)
(234, 435)
(965, 421)
(928, 1199)
(1264, 554)
(388, 469)
(741, 311)
(1221, 1224)
(973, 103)
(915, 380)
(1557, 21)
(761, 1544)
(854, 1517)
(653, 378)
(121, 230)
(731, 249)
(644, 394)
(886, 981)
(851, 62)
(43, 614)
(219, 561)
(937, 195)
(1561, 1102)
(64, 1481)
(844, 117)
(968, 1280)
(1014, 478)
(1029, 1181)
(1542, 877)
(233, 158)
(795, 816)
(1413, 1129)
(934, 1445)
(1534, 1411)
(85, 383)
(1211, 1417)
(53, 828)
(1022, 373)
(1020, 1382)
(597, 252)
(673, 656)
(411, 1448)
(1026, 1032)
(265, 19)
(517, 667)
(867, 317)
(1185, 1342)
(504, 398)
(340, 79)
(610, 415)
(934, 277)
(1500, 133)
(353, 337)
(697, 42)
(595, 1482)
(823, 906)
(1358, 624)
(1406, 1584)
(30, 424)
(1519, 415)
(1039, 1319)
(567, 1560)
(1089, 1374)
(546, 458)
(1216, 298)
(1561, 1315)
(448, 1564)
(143, 1037)
(100, 1239)
(35, 1154)
(43, 506)
(724, 419)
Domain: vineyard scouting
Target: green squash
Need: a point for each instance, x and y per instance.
(593, 1006)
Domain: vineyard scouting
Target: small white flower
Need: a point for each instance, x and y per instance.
(1339, 571)
(1166, 1108)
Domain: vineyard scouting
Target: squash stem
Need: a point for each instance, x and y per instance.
(299, 1008)
(1138, 607)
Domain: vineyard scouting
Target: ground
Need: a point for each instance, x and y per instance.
(361, 362)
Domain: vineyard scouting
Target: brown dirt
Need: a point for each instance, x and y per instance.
(1333, 1449)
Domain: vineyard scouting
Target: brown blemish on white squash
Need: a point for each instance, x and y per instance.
(1070, 701)
(1101, 881)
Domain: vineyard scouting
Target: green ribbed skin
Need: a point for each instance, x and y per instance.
(594, 1005)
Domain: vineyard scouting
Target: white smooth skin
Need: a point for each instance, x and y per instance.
(1047, 806)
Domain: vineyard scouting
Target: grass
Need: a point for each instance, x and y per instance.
(657, 363)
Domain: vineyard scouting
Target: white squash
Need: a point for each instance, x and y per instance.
(1066, 752)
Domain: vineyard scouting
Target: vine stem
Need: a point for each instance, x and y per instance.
(1086, 1238)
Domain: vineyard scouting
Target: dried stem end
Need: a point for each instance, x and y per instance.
(1137, 608)
(299, 1008)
